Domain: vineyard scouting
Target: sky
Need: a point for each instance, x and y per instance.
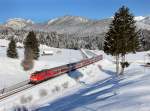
(43, 10)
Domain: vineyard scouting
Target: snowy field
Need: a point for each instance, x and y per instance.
(11, 71)
(109, 92)
(97, 88)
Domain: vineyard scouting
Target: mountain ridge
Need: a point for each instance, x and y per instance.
(71, 24)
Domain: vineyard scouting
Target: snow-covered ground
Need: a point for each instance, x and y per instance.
(11, 71)
(92, 88)
(129, 92)
(53, 87)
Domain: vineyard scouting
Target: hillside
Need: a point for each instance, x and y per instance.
(97, 89)
(71, 24)
(68, 31)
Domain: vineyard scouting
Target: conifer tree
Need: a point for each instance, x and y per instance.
(122, 37)
(12, 51)
(32, 42)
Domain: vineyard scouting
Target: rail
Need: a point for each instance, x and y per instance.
(5, 92)
(10, 88)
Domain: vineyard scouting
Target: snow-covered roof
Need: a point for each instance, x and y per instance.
(48, 52)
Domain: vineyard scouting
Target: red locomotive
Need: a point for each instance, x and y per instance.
(46, 74)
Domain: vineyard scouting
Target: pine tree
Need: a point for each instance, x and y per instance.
(11, 51)
(32, 42)
(122, 37)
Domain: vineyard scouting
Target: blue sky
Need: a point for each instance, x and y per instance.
(43, 10)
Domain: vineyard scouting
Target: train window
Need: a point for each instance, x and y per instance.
(64, 68)
(56, 70)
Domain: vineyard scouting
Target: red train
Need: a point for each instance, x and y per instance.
(43, 75)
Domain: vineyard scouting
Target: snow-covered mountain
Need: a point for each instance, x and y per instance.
(143, 22)
(146, 20)
(18, 23)
(139, 18)
(72, 25)
(75, 24)
(64, 24)
(68, 19)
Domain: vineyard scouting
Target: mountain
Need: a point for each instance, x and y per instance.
(68, 31)
(72, 25)
(139, 18)
(18, 23)
(146, 20)
(143, 22)
(70, 20)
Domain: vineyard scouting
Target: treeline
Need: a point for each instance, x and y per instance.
(70, 41)
(145, 40)
(53, 39)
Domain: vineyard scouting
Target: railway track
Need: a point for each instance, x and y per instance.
(11, 90)
(25, 84)
(19, 89)
(21, 84)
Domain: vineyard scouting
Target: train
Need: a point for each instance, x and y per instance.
(43, 75)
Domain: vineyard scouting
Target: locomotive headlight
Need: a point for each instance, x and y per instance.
(33, 78)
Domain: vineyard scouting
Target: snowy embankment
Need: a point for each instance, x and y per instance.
(54, 88)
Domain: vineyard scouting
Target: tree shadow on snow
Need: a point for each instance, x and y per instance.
(109, 72)
(93, 93)
(75, 74)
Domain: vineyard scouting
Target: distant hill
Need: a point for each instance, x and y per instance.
(71, 24)
(77, 28)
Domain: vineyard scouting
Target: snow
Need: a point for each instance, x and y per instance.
(92, 88)
(48, 52)
(124, 93)
(67, 18)
(18, 23)
(136, 18)
(98, 90)
(12, 72)
(139, 18)
(52, 20)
